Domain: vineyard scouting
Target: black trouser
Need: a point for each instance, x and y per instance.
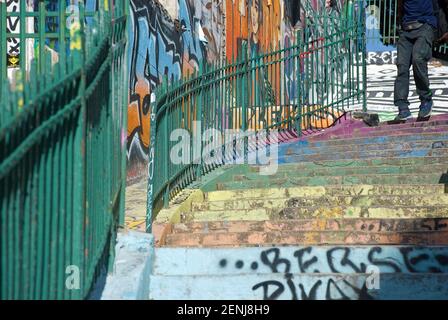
(414, 47)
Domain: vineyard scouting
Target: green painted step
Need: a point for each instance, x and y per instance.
(270, 203)
(209, 182)
(341, 190)
(417, 161)
(339, 171)
(321, 212)
(337, 180)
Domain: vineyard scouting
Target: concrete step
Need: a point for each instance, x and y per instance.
(350, 163)
(424, 144)
(373, 179)
(277, 286)
(340, 171)
(321, 212)
(432, 211)
(342, 190)
(278, 203)
(404, 131)
(266, 260)
(384, 126)
(357, 224)
(285, 237)
(352, 140)
(404, 153)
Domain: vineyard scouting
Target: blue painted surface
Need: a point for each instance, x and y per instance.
(300, 287)
(322, 259)
(324, 272)
(130, 279)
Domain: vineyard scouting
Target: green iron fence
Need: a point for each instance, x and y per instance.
(62, 156)
(293, 91)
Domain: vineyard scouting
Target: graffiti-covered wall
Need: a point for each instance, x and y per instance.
(174, 44)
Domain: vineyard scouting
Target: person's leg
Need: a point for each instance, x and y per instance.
(401, 87)
(421, 54)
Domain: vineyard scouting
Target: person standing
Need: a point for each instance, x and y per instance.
(418, 22)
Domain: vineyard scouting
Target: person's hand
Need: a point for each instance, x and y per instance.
(328, 4)
(443, 39)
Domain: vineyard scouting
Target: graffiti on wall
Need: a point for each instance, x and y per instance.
(159, 46)
(13, 26)
(333, 262)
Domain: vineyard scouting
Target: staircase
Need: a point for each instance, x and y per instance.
(354, 212)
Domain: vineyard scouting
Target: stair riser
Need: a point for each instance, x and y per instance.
(408, 131)
(350, 126)
(340, 171)
(307, 238)
(347, 190)
(354, 140)
(299, 150)
(293, 259)
(364, 163)
(409, 153)
(365, 225)
(315, 287)
(243, 204)
(319, 213)
(356, 211)
(344, 180)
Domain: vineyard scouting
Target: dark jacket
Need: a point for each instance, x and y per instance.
(442, 4)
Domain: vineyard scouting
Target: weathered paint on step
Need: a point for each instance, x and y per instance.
(404, 179)
(351, 140)
(358, 224)
(351, 163)
(300, 150)
(270, 203)
(403, 131)
(340, 171)
(284, 237)
(300, 259)
(433, 211)
(299, 287)
(343, 190)
(320, 212)
(404, 153)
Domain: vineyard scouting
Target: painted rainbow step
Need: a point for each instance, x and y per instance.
(320, 212)
(405, 179)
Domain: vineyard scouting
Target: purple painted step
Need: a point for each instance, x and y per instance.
(348, 125)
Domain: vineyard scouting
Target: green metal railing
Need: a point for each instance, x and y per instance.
(293, 91)
(62, 159)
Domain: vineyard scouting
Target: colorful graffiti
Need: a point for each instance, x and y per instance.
(212, 31)
(160, 46)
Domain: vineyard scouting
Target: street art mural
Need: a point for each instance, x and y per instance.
(159, 46)
(210, 31)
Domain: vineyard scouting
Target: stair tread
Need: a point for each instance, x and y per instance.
(349, 224)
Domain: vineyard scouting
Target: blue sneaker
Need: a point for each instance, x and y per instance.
(403, 115)
(425, 109)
